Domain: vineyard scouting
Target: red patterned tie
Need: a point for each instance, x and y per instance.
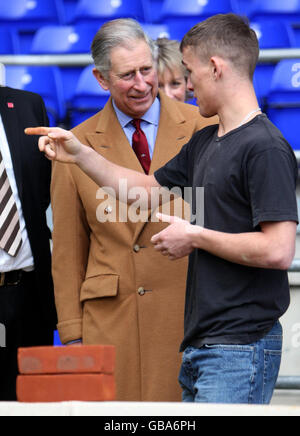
(140, 146)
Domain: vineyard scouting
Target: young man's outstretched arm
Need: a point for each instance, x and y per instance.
(63, 146)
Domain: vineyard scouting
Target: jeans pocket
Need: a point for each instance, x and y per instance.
(272, 362)
(228, 347)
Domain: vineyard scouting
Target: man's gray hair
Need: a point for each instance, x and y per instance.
(117, 33)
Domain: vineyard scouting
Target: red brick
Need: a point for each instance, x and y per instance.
(68, 387)
(85, 359)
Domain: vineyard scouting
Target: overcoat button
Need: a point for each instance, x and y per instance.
(141, 292)
(108, 210)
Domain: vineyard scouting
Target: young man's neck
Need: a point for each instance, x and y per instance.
(240, 106)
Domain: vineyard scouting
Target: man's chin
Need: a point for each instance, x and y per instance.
(141, 107)
(145, 102)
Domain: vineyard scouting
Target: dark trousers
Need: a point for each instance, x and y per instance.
(21, 325)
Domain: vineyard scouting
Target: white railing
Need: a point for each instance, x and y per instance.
(67, 60)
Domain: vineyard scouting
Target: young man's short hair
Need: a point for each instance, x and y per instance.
(228, 36)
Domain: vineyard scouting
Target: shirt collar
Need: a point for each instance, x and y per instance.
(151, 117)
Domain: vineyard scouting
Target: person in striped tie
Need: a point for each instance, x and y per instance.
(27, 310)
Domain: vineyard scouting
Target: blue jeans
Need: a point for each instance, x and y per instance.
(232, 374)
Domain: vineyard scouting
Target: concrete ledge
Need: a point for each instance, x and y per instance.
(286, 398)
(115, 409)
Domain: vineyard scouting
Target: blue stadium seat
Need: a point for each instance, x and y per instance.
(284, 100)
(56, 339)
(156, 30)
(45, 81)
(296, 34)
(288, 10)
(262, 82)
(243, 7)
(274, 34)
(153, 9)
(63, 39)
(180, 15)
(104, 10)
(9, 42)
(89, 97)
(271, 35)
(69, 10)
(28, 15)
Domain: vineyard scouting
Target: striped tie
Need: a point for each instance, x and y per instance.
(10, 232)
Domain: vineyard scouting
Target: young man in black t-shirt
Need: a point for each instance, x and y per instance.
(237, 286)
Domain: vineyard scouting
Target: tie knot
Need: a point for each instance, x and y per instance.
(137, 123)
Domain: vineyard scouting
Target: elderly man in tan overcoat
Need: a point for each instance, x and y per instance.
(111, 286)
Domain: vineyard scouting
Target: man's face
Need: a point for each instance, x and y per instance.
(132, 81)
(201, 81)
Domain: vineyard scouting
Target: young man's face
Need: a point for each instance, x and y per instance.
(200, 81)
(133, 81)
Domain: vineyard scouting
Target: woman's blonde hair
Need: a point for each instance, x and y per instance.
(169, 56)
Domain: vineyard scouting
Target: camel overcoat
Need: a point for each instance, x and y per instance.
(111, 286)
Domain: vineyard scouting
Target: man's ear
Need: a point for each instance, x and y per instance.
(100, 79)
(216, 64)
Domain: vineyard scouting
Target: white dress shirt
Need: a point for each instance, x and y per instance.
(24, 259)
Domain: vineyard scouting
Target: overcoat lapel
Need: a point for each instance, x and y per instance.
(111, 142)
(12, 129)
(171, 135)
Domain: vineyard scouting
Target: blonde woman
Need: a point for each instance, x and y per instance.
(171, 72)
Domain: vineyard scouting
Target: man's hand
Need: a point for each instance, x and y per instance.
(176, 241)
(57, 144)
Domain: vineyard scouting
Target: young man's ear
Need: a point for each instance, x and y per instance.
(101, 80)
(216, 67)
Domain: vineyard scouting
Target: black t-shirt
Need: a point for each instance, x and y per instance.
(249, 177)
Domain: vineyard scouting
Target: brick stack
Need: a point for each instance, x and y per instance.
(56, 374)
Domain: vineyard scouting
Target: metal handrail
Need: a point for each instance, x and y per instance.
(84, 59)
(80, 60)
(295, 267)
(288, 383)
(276, 55)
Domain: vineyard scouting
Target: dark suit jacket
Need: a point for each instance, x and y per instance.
(20, 109)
